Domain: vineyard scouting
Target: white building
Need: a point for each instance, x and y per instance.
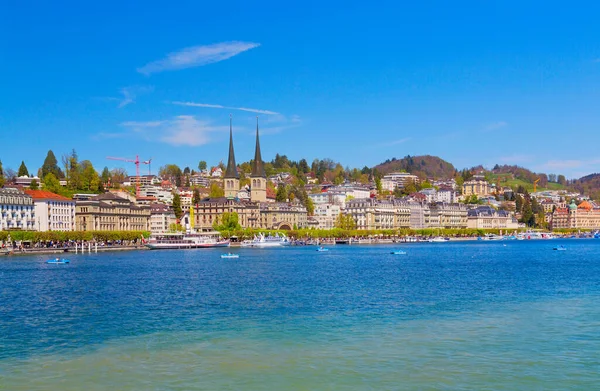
(419, 215)
(448, 196)
(162, 195)
(16, 210)
(26, 180)
(161, 217)
(326, 215)
(397, 180)
(53, 212)
(329, 198)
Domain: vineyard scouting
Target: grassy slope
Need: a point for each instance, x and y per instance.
(529, 186)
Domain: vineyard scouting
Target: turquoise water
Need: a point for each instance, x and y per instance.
(447, 316)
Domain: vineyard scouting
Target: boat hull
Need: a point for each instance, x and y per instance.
(184, 246)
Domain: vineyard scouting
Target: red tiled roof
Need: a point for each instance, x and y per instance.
(271, 193)
(45, 195)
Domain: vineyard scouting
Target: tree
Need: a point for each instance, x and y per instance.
(51, 183)
(34, 185)
(228, 222)
(216, 191)
(562, 180)
(2, 180)
(282, 194)
(174, 227)
(378, 185)
(187, 181)
(202, 165)
(186, 171)
(303, 166)
(177, 206)
(345, 222)
(196, 198)
(105, 175)
(118, 175)
(51, 166)
(90, 180)
(23, 170)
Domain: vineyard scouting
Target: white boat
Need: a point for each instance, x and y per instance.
(534, 235)
(560, 248)
(322, 249)
(439, 239)
(492, 237)
(262, 241)
(229, 256)
(173, 241)
(398, 252)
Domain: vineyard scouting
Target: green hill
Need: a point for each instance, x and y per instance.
(425, 166)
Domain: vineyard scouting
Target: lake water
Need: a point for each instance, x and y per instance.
(448, 316)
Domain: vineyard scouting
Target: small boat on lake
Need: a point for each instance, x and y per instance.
(230, 256)
(560, 248)
(439, 239)
(398, 252)
(58, 261)
(322, 249)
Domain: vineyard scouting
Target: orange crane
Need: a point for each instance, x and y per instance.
(137, 169)
(535, 184)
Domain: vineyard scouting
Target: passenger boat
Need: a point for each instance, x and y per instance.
(229, 256)
(173, 241)
(534, 235)
(57, 261)
(262, 241)
(439, 239)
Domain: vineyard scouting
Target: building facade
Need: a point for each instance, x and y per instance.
(398, 180)
(16, 210)
(326, 215)
(443, 215)
(476, 186)
(53, 212)
(582, 216)
(372, 214)
(108, 212)
(161, 218)
(486, 217)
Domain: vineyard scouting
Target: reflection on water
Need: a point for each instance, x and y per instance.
(455, 316)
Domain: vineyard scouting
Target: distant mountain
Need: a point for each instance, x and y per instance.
(425, 166)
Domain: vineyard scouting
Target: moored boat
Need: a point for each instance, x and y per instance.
(174, 241)
(262, 241)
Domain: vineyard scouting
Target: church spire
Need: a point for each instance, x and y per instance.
(258, 169)
(231, 171)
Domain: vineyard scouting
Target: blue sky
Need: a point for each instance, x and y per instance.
(359, 82)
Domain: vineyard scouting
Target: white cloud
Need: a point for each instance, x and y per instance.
(178, 131)
(196, 56)
(131, 93)
(495, 126)
(213, 106)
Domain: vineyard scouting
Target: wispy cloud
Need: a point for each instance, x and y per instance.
(183, 130)
(130, 94)
(399, 141)
(196, 56)
(495, 126)
(213, 106)
(596, 60)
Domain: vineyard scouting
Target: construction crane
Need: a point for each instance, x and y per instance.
(137, 169)
(149, 163)
(535, 184)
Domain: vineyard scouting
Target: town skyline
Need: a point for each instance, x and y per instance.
(413, 80)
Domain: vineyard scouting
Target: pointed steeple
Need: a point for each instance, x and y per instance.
(258, 169)
(231, 171)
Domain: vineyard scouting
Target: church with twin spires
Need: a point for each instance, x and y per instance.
(256, 212)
